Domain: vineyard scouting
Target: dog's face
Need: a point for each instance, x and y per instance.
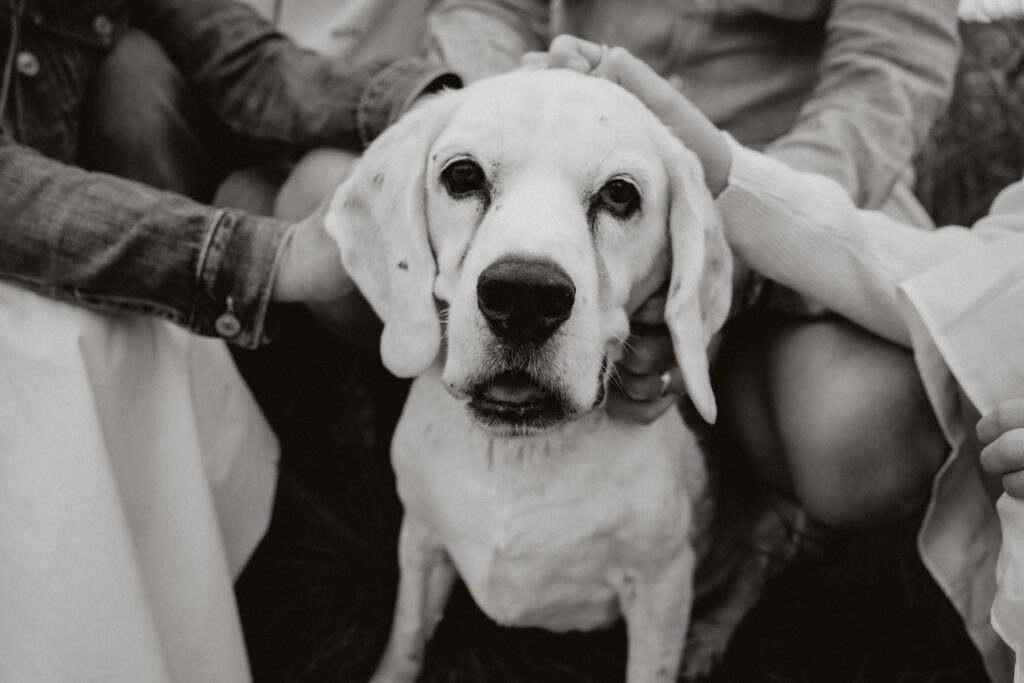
(527, 216)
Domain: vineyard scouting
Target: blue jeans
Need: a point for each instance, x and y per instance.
(143, 121)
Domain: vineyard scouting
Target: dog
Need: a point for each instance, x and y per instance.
(504, 233)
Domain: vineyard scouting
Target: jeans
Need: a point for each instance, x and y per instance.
(142, 121)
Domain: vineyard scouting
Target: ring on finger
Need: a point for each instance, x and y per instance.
(666, 382)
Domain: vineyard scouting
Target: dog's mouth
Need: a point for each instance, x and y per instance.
(514, 402)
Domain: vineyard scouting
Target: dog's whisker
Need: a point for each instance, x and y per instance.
(613, 375)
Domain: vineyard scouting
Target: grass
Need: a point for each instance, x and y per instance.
(977, 147)
(316, 599)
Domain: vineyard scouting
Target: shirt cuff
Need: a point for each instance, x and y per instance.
(235, 276)
(394, 89)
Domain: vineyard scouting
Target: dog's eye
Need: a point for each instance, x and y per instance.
(620, 196)
(463, 177)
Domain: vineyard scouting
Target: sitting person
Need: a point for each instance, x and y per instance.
(954, 295)
(138, 472)
(171, 91)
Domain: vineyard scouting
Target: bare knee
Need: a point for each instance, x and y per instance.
(846, 421)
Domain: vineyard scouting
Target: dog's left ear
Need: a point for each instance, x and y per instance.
(378, 218)
(700, 287)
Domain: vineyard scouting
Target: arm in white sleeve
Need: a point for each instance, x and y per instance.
(803, 230)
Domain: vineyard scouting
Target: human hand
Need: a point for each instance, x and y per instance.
(616, 64)
(310, 270)
(649, 382)
(1002, 433)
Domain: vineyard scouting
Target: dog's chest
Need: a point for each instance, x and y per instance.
(546, 530)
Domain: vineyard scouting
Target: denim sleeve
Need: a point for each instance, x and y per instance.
(263, 85)
(479, 38)
(120, 246)
(886, 74)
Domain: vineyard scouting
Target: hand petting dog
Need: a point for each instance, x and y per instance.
(504, 234)
(648, 380)
(616, 64)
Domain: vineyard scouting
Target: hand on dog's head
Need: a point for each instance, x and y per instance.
(568, 175)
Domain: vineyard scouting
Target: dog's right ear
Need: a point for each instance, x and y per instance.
(378, 219)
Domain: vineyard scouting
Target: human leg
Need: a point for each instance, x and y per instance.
(142, 121)
(830, 414)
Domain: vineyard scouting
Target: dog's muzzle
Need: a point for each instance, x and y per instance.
(524, 302)
(514, 402)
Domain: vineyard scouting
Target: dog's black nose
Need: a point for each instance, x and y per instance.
(524, 300)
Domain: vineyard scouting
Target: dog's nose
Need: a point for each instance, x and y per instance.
(524, 300)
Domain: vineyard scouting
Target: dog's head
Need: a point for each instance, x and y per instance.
(523, 219)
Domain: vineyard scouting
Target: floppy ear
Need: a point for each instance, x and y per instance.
(378, 219)
(700, 287)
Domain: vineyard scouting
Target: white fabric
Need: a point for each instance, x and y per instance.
(971, 312)
(964, 313)
(136, 477)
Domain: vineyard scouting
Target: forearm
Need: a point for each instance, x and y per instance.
(120, 246)
(802, 230)
(479, 38)
(264, 86)
(886, 73)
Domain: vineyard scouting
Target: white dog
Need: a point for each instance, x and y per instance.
(504, 233)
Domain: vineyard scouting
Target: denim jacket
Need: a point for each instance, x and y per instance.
(122, 246)
(847, 88)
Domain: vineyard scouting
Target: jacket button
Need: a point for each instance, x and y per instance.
(227, 325)
(103, 26)
(27, 64)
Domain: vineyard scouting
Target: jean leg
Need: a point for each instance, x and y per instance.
(143, 122)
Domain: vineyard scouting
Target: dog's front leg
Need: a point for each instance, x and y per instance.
(425, 581)
(657, 613)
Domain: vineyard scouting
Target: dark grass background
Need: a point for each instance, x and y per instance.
(316, 599)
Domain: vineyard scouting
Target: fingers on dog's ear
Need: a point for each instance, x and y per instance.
(650, 350)
(652, 311)
(626, 408)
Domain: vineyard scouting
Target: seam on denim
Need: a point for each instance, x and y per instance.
(201, 265)
(124, 303)
(111, 303)
(263, 301)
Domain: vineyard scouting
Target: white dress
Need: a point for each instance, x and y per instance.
(956, 296)
(136, 477)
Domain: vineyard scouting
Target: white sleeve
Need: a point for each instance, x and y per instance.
(803, 231)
